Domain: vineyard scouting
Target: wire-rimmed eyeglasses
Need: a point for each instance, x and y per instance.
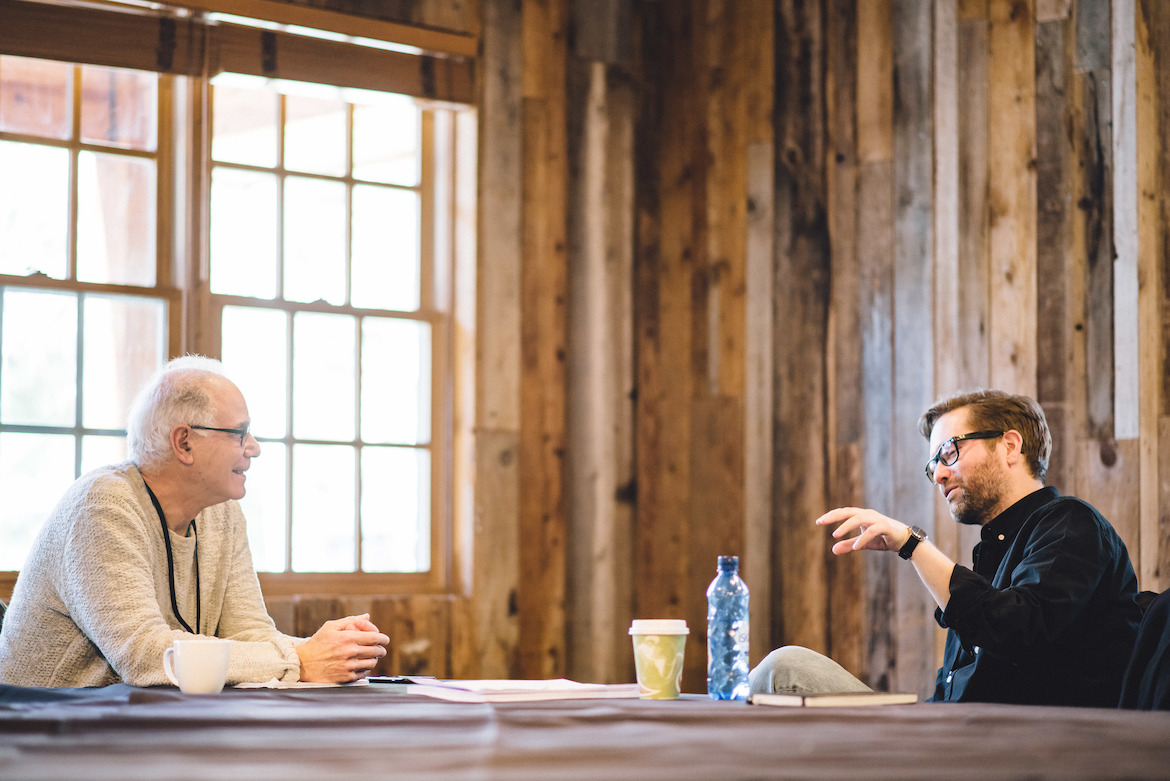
(948, 452)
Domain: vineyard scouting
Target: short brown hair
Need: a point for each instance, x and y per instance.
(996, 410)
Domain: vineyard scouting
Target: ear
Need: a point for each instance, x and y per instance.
(181, 444)
(1014, 446)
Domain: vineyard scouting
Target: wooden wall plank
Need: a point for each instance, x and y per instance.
(1155, 553)
(1053, 10)
(716, 511)
(875, 246)
(543, 342)
(419, 627)
(1152, 103)
(913, 365)
(599, 374)
(948, 293)
(1092, 192)
(800, 335)
(759, 444)
(1057, 265)
(726, 216)
(875, 239)
(1126, 387)
(972, 307)
(665, 181)
(846, 422)
(496, 629)
(495, 557)
(603, 31)
(947, 97)
(875, 87)
(759, 249)
(1012, 199)
(1108, 479)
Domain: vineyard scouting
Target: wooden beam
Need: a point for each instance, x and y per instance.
(461, 43)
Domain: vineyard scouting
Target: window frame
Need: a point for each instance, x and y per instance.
(183, 231)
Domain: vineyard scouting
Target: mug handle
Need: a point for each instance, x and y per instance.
(168, 655)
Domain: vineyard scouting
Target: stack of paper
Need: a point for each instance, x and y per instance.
(508, 690)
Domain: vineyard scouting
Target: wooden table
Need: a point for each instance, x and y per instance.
(369, 732)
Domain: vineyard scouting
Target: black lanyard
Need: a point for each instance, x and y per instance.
(171, 566)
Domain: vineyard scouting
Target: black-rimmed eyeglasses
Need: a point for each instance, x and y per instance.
(948, 452)
(242, 433)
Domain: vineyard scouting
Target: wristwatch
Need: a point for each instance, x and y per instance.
(916, 536)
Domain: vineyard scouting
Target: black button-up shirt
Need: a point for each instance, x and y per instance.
(1048, 616)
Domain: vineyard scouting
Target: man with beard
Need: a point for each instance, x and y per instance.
(1047, 614)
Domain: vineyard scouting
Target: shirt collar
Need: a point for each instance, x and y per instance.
(1006, 525)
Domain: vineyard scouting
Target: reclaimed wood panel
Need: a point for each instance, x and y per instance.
(419, 627)
(716, 511)
(1012, 194)
(954, 301)
(1150, 369)
(875, 246)
(875, 84)
(846, 641)
(1125, 229)
(543, 342)
(760, 445)
(495, 556)
(875, 231)
(665, 192)
(1057, 265)
(600, 374)
(800, 335)
(1109, 480)
(913, 365)
(726, 203)
(1155, 124)
(1092, 193)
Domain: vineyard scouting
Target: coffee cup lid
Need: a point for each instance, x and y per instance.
(659, 626)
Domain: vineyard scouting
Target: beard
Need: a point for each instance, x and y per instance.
(980, 496)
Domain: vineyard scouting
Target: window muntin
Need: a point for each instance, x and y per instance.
(329, 335)
(82, 322)
(69, 368)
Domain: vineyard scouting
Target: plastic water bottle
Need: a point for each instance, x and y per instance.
(727, 633)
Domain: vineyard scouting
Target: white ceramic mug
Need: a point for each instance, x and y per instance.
(197, 665)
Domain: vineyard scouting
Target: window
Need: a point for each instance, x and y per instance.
(82, 322)
(311, 235)
(325, 291)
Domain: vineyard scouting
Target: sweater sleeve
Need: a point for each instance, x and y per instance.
(260, 652)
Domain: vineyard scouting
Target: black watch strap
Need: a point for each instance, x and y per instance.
(917, 535)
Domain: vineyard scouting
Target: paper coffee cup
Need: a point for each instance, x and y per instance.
(197, 665)
(659, 644)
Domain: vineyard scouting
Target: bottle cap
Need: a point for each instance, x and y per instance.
(659, 626)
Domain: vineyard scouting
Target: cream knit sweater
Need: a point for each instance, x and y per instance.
(92, 605)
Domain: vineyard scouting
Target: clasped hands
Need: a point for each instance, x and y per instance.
(874, 530)
(342, 650)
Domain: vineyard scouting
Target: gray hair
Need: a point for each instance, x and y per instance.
(174, 396)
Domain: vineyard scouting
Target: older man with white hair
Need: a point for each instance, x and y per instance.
(140, 553)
